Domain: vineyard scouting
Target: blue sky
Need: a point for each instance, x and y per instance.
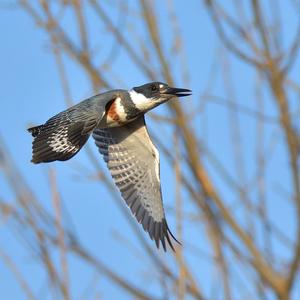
(31, 92)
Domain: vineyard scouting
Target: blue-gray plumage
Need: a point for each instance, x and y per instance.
(116, 121)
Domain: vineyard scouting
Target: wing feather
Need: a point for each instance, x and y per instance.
(133, 162)
(63, 135)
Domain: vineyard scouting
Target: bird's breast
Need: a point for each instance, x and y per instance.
(115, 115)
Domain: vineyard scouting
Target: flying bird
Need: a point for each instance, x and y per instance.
(116, 121)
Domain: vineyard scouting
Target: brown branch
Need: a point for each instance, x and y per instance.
(124, 284)
(179, 220)
(14, 269)
(196, 165)
(121, 39)
(276, 83)
(225, 39)
(263, 32)
(292, 53)
(276, 79)
(60, 234)
(81, 24)
(53, 28)
(149, 16)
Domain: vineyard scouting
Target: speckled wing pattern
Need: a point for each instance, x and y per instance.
(133, 162)
(63, 135)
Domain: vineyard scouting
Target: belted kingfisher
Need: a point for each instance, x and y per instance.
(116, 121)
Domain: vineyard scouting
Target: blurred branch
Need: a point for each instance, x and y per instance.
(213, 9)
(179, 220)
(124, 284)
(118, 35)
(20, 279)
(60, 234)
(275, 76)
(216, 198)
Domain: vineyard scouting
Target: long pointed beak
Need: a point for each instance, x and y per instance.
(178, 92)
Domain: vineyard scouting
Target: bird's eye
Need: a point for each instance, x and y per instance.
(153, 88)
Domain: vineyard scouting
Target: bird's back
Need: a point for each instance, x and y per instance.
(63, 135)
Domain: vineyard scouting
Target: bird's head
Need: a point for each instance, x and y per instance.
(150, 95)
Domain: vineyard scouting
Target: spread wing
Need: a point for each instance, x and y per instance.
(133, 162)
(63, 135)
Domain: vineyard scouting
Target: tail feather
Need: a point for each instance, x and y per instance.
(57, 139)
